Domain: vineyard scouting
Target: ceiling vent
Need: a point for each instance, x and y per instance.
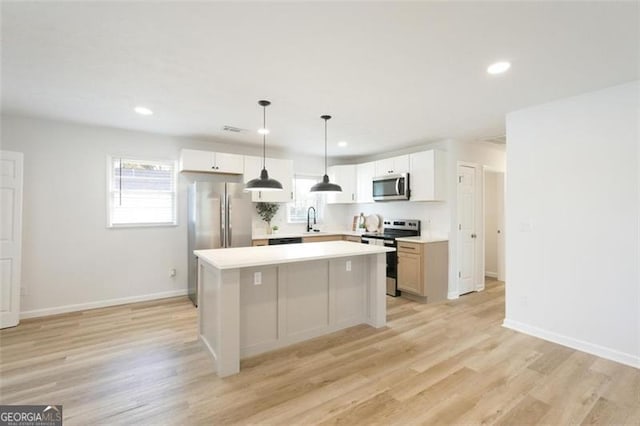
(498, 140)
(232, 129)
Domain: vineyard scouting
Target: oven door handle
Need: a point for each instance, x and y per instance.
(389, 243)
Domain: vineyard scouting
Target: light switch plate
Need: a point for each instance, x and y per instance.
(257, 278)
(348, 266)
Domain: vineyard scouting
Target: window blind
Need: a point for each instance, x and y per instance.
(142, 192)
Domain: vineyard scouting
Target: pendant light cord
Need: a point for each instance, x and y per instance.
(264, 136)
(325, 146)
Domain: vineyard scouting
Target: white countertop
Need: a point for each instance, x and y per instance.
(423, 239)
(243, 257)
(304, 234)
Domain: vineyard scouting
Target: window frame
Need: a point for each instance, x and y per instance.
(320, 206)
(173, 162)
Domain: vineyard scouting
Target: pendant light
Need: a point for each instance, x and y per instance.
(325, 185)
(264, 182)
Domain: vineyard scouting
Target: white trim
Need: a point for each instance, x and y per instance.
(581, 345)
(453, 295)
(491, 274)
(101, 304)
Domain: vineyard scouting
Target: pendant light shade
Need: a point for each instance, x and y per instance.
(264, 182)
(325, 186)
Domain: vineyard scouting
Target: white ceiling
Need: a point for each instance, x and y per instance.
(392, 74)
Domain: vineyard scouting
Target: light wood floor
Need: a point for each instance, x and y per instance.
(448, 363)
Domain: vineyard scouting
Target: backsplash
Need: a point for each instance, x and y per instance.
(434, 217)
(334, 217)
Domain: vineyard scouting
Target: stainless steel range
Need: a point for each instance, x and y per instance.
(393, 228)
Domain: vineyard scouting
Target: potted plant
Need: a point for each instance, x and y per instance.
(275, 229)
(267, 211)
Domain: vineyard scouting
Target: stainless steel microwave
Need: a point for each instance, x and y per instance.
(391, 187)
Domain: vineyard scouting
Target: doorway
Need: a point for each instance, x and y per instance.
(494, 256)
(467, 232)
(10, 236)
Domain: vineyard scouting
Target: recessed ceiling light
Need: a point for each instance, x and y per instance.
(342, 144)
(143, 110)
(498, 67)
(263, 131)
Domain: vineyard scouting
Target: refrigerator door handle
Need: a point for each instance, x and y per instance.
(228, 221)
(223, 223)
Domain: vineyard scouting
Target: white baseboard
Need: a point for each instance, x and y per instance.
(490, 274)
(452, 295)
(581, 345)
(101, 304)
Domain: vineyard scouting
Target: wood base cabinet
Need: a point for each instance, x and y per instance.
(423, 270)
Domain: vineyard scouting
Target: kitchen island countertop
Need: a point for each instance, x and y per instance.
(244, 257)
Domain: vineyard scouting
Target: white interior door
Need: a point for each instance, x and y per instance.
(10, 237)
(501, 254)
(466, 228)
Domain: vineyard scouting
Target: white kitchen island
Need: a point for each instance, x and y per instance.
(255, 299)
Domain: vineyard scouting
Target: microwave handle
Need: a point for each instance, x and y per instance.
(398, 186)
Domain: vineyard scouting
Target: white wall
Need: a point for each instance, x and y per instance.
(572, 211)
(491, 224)
(70, 257)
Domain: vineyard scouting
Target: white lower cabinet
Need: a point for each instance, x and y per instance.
(345, 176)
(280, 170)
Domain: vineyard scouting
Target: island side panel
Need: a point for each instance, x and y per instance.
(305, 305)
(229, 324)
(348, 291)
(208, 311)
(219, 316)
(258, 308)
(377, 289)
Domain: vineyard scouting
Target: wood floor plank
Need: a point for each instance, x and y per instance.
(445, 363)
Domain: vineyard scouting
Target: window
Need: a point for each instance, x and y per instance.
(141, 192)
(303, 199)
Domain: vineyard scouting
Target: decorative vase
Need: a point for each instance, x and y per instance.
(269, 229)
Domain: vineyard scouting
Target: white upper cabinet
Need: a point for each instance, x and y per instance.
(213, 162)
(428, 176)
(280, 170)
(228, 163)
(393, 165)
(345, 176)
(365, 173)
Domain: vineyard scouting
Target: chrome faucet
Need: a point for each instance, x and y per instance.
(309, 227)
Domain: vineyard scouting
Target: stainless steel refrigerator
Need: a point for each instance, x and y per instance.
(219, 216)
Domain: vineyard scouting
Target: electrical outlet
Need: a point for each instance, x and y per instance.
(257, 278)
(172, 272)
(348, 266)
